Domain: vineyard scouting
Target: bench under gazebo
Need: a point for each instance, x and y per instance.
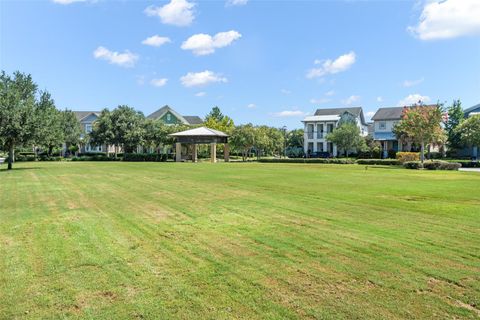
(201, 135)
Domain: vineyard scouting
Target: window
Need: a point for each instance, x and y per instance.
(310, 131)
(88, 128)
(329, 128)
(169, 117)
(382, 125)
(319, 146)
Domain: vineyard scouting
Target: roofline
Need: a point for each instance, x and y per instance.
(175, 113)
(90, 113)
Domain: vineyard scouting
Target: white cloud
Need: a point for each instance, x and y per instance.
(330, 93)
(156, 41)
(411, 83)
(413, 99)
(67, 1)
(251, 106)
(342, 63)
(370, 114)
(289, 113)
(230, 3)
(350, 100)
(285, 91)
(448, 19)
(125, 59)
(203, 44)
(200, 94)
(176, 12)
(319, 101)
(379, 99)
(159, 82)
(203, 78)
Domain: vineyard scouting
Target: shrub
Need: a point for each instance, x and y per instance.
(467, 163)
(431, 165)
(95, 158)
(384, 162)
(308, 160)
(150, 157)
(450, 166)
(413, 165)
(391, 154)
(407, 156)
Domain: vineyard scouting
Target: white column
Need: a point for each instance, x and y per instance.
(213, 152)
(194, 153)
(334, 150)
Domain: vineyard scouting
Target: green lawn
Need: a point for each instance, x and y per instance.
(237, 241)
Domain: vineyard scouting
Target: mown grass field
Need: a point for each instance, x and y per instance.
(237, 241)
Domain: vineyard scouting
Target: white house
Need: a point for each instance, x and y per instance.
(325, 121)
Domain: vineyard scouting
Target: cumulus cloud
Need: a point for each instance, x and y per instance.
(125, 59)
(412, 99)
(342, 63)
(176, 12)
(203, 78)
(448, 19)
(202, 44)
(159, 82)
(289, 113)
(156, 41)
(350, 100)
(370, 114)
(411, 83)
(230, 3)
(200, 94)
(251, 106)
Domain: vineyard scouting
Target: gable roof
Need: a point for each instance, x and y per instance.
(393, 113)
(183, 119)
(83, 114)
(475, 108)
(356, 111)
(200, 132)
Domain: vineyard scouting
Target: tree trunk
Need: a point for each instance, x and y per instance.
(11, 155)
(422, 152)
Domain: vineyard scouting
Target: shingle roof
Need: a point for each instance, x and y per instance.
(393, 113)
(356, 111)
(83, 114)
(193, 120)
(201, 131)
(467, 111)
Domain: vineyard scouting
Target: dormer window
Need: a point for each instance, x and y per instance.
(169, 117)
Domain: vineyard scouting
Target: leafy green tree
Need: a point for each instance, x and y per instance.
(455, 117)
(243, 139)
(422, 125)
(49, 132)
(347, 137)
(294, 142)
(469, 131)
(17, 112)
(218, 121)
(71, 129)
(215, 113)
(127, 127)
(156, 134)
(103, 131)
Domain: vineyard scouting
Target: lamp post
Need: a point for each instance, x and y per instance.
(284, 128)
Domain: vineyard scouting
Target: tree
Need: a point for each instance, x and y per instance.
(469, 131)
(455, 117)
(49, 131)
(294, 142)
(346, 137)
(215, 113)
(103, 131)
(17, 111)
(71, 129)
(156, 134)
(127, 127)
(421, 124)
(218, 121)
(243, 139)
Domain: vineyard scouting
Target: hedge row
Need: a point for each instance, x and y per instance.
(150, 157)
(466, 163)
(301, 160)
(95, 158)
(384, 162)
(432, 165)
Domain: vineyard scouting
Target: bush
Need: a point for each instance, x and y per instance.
(91, 154)
(391, 154)
(441, 165)
(150, 157)
(413, 165)
(431, 165)
(407, 156)
(308, 160)
(466, 163)
(95, 158)
(384, 162)
(435, 155)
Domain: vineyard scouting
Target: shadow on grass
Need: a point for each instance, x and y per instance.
(2, 170)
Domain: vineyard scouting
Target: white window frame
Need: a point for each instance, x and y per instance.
(382, 125)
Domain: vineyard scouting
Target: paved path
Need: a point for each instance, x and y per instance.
(470, 169)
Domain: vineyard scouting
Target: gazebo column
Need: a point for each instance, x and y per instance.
(178, 152)
(194, 153)
(226, 152)
(213, 152)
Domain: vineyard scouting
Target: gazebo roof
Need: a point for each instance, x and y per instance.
(200, 132)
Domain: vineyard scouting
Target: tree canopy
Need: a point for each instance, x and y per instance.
(469, 131)
(347, 137)
(455, 117)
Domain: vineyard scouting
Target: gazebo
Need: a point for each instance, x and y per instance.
(201, 135)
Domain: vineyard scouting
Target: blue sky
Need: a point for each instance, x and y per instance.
(266, 62)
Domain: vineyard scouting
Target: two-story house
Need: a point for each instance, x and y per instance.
(324, 121)
(86, 119)
(169, 116)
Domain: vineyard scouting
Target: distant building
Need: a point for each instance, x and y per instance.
(86, 119)
(473, 150)
(325, 121)
(169, 116)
